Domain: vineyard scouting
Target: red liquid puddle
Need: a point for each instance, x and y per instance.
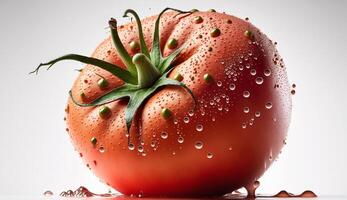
(83, 192)
(305, 194)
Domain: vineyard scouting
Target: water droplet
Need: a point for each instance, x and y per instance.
(198, 145)
(175, 121)
(246, 110)
(101, 149)
(209, 155)
(153, 144)
(186, 120)
(253, 72)
(268, 105)
(244, 125)
(211, 102)
(140, 149)
(267, 72)
(259, 80)
(191, 113)
(257, 114)
(232, 86)
(164, 135)
(199, 127)
(230, 148)
(219, 83)
(246, 94)
(131, 147)
(180, 140)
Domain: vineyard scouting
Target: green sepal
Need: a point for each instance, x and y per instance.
(136, 96)
(140, 96)
(165, 64)
(122, 52)
(123, 91)
(156, 56)
(113, 69)
(143, 45)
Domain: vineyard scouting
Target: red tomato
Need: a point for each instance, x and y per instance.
(225, 140)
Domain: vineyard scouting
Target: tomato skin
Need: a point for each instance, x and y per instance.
(232, 155)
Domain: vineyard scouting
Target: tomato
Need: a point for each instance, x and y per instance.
(221, 137)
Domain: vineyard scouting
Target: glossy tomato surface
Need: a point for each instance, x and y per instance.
(228, 140)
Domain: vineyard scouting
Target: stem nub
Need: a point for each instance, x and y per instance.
(147, 72)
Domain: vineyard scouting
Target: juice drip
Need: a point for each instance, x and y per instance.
(252, 188)
(82, 192)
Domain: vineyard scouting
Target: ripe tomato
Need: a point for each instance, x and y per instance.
(176, 146)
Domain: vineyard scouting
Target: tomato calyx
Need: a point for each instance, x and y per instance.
(146, 72)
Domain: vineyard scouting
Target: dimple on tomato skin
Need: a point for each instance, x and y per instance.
(228, 140)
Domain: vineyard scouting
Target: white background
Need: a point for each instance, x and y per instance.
(35, 151)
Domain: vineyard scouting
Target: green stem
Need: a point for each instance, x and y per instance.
(143, 45)
(123, 54)
(147, 72)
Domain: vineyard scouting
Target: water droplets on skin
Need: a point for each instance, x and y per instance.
(232, 86)
(140, 149)
(199, 127)
(219, 83)
(198, 145)
(186, 120)
(164, 135)
(191, 113)
(101, 149)
(180, 140)
(267, 72)
(131, 147)
(259, 80)
(212, 103)
(153, 144)
(246, 94)
(253, 72)
(257, 114)
(246, 110)
(244, 125)
(209, 155)
(268, 105)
